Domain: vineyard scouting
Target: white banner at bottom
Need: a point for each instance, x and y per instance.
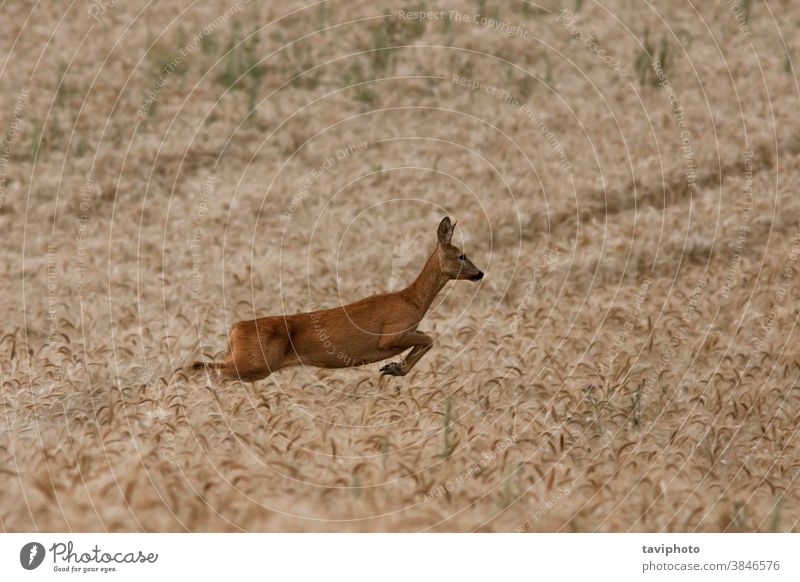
(400, 557)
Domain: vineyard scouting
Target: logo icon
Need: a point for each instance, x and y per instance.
(402, 253)
(31, 555)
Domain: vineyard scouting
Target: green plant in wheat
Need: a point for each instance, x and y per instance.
(642, 64)
(303, 59)
(384, 449)
(508, 492)
(448, 417)
(36, 140)
(386, 37)
(181, 39)
(530, 9)
(787, 60)
(589, 397)
(231, 73)
(548, 71)
(448, 29)
(382, 43)
(55, 129)
(61, 86)
(648, 61)
(61, 92)
(253, 69)
(240, 58)
(526, 86)
(354, 77)
(775, 523)
(746, 6)
(323, 16)
(81, 148)
(663, 55)
(739, 519)
(391, 33)
(209, 43)
(241, 66)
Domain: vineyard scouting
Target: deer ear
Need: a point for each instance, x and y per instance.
(445, 231)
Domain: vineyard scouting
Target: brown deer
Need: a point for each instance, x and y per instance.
(364, 332)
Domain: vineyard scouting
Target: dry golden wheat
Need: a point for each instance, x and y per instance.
(630, 361)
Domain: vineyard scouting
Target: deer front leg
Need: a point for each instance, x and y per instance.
(419, 343)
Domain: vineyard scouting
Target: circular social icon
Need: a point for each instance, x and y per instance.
(31, 555)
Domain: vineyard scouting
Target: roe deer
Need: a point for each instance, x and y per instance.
(364, 332)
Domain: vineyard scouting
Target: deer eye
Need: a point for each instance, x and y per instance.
(462, 258)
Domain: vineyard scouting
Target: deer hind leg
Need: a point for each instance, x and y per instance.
(256, 350)
(420, 345)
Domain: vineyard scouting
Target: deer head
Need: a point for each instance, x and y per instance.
(452, 261)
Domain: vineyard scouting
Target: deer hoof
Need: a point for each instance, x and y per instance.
(393, 369)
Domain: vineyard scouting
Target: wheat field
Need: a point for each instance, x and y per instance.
(625, 173)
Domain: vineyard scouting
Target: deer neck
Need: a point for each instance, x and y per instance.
(428, 283)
